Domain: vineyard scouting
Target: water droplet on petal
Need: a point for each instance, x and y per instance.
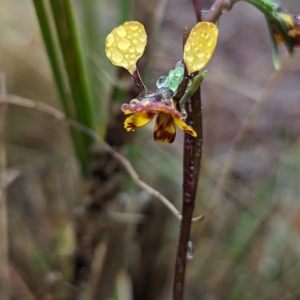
(109, 40)
(121, 31)
(190, 251)
(187, 46)
(189, 57)
(108, 53)
(143, 38)
(134, 102)
(117, 57)
(134, 25)
(200, 53)
(123, 44)
(131, 49)
(209, 41)
(124, 106)
(140, 48)
(132, 61)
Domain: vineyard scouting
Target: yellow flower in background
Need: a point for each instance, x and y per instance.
(293, 29)
(126, 44)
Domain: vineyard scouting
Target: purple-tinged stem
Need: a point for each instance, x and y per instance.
(138, 81)
(191, 167)
(197, 9)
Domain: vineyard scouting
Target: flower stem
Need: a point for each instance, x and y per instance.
(191, 168)
(138, 81)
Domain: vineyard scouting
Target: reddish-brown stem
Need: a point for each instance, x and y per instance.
(191, 168)
(197, 9)
(217, 9)
(192, 158)
(138, 81)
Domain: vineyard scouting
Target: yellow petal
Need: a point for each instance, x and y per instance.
(200, 46)
(138, 120)
(184, 127)
(126, 44)
(164, 129)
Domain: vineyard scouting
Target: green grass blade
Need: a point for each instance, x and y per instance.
(75, 66)
(58, 75)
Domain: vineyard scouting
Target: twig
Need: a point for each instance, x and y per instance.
(217, 9)
(58, 115)
(96, 269)
(4, 264)
(248, 122)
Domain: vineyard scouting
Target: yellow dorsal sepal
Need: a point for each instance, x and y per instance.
(126, 44)
(200, 46)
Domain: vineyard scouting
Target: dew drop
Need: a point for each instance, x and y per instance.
(132, 61)
(139, 108)
(183, 114)
(166, 93)
(187, 46)
(180, 63)
(108, 53)
(162, 81)
(134, 25)
(189, 56)
(121, 31)
(197, 65)
(140, 48)
(200, 53)
(134, 102)
(117, 57)
(124, 64)
(131, 49)
(123, 44)
(109, 40)
(143, 38)
(190, 250)
(187, 145)
(199, 62)
(124, 106)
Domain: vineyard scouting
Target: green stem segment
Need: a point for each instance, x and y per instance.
(268, 8)
(74, 63)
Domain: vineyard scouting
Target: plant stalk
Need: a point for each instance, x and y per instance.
(192, 153)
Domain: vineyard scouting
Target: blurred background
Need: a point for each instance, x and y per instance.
(100, 236)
